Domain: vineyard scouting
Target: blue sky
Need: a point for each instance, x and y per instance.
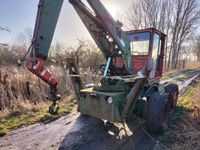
(19, 15)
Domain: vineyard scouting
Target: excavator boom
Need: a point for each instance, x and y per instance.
(47, 17)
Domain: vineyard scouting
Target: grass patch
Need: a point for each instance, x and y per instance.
(180, 112)
(167, 137)
(184, 103)
(186, 74)
(171, 74)
(185, 100)
(18, 119)
(184, 77)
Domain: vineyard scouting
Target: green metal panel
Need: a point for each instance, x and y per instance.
(47, 17)
(95, 103)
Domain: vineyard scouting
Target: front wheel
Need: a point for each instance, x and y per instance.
(158, 112)
(173, 91)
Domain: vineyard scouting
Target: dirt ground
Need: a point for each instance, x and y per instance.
(79, 132)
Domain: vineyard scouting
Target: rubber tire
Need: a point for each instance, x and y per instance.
(158, 113)
(173, 91)
(53, 110)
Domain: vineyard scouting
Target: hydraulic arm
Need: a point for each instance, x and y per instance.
(47, 16)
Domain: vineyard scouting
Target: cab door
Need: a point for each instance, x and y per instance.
(155, 55)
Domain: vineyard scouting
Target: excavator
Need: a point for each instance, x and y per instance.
(130, 79)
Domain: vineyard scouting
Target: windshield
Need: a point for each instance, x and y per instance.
(139, 43)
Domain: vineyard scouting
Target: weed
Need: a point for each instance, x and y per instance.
(47, 118)
(167, 137)
(185, 100)
(184, 77)
(180, 112)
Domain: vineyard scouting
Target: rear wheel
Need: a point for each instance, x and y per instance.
(172, 90)
(158, 112)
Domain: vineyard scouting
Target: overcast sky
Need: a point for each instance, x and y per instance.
(19, 15)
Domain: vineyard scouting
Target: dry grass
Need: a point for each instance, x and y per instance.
(173, 73)
(192, 65)
(21, 89)
(18, 88)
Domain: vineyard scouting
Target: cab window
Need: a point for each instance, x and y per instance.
(139, 43)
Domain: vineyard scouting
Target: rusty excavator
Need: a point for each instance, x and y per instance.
(129, 79)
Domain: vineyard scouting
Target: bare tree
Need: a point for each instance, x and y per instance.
(148, 13)
(151, 13)
(56, 49)
(5, 29)
(176, 18)
(85, 52)
(196, 46)
(184, 25)
(87, 55)
(24, 38)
